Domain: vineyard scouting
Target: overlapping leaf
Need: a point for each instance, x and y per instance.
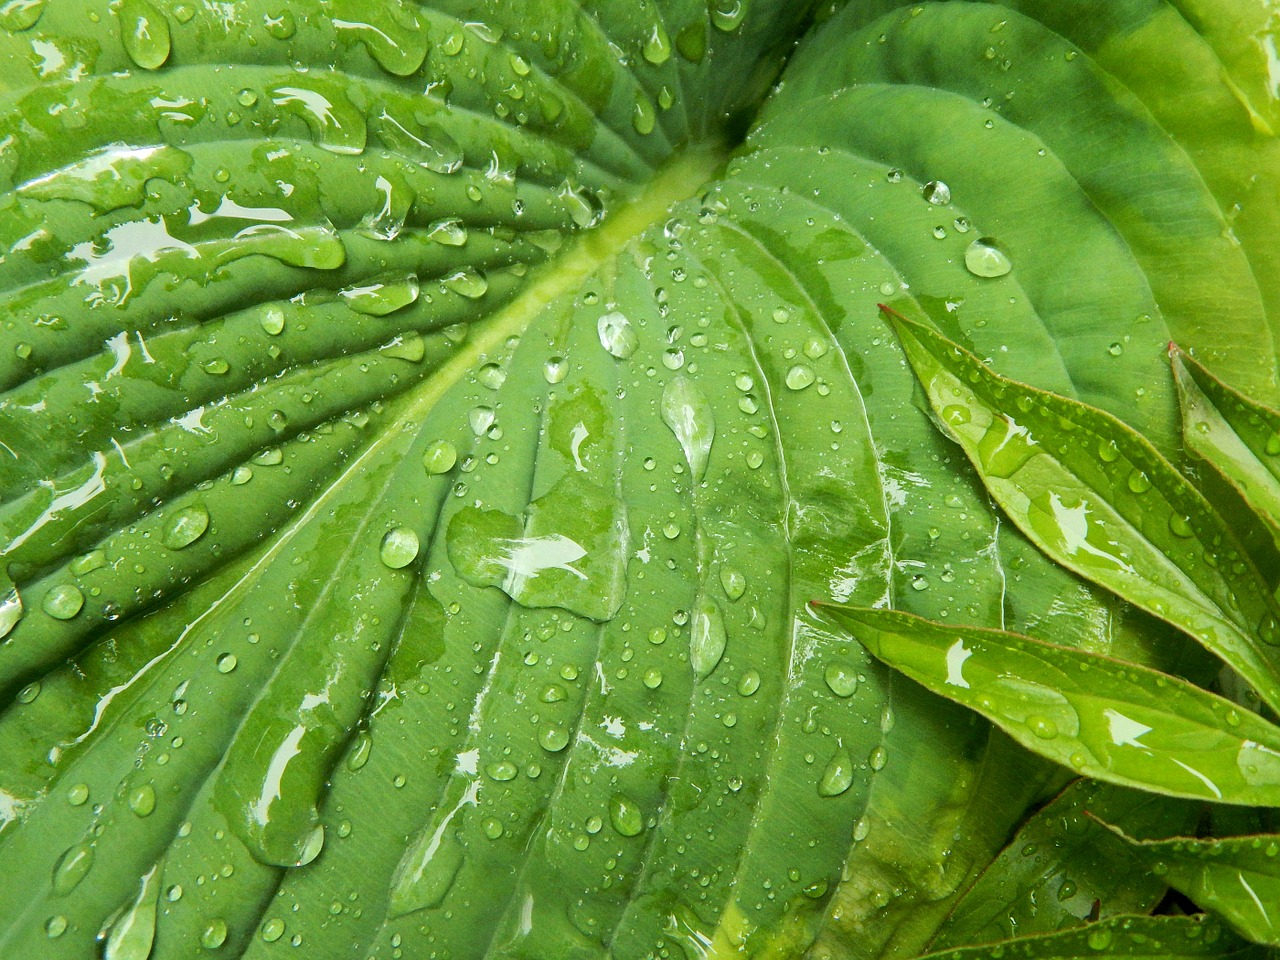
(411, 500)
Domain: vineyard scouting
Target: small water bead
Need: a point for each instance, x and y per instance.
(555, 370)
(984, 258)
(400, 547)
(755, 459)
(439, 457)
(617, 335)
(733, 582)
(77, 794)
(226, 663)
(838, 775)
(214, 934)
(878, 758)
(481, 419)
(552, 739)
(841, 679)
(272, 929)
(1042, 727)
(894, 176)
(491, 376)
(727, 15)
(658, 636)
(673, 359)
(652, 678)
(63, 602)
(55, 926)
(815, 348)
(29, 693)
(961, 224)
(748, 404)
(749, 683)
(1116, 349)
(657, 46)
(142, 800)
(1138, 481)
(625, 815)
(174, 893)
(468, 283)
(72, 867)
(186, 526)
(501, 771)
(744, 382)
(800, 376)
(1108, 452)
(936, 192)
(1181, 526)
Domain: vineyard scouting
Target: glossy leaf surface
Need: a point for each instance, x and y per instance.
(424, 425)
(1237, 436)
(1103, 718)
(1237, 876)
(1098, 498)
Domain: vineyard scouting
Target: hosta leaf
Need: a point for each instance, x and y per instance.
(1237, 436)
(1106, 719)
(1235, 877)
(424, 425)
(1168, 938)
(1063, 869)
(1098, 498)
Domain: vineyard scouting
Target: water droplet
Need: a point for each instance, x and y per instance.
(686, 410)
(936, 192)
(77, 794)
(281, 27)
(1108, 452)
(439, 457)
(749, 683)
(984, 258)
(226, 662)
(63, 601)
(56, 925)
(707, 637)
(142, 799)
(145, 33)
(727, 15)
(449, 232)
(491, 376)
(186, 526)
(841, 679)
(652, 678)
(1042, 727)
(625, 815)
(838, 775)
(272, 929)
(1099, 939)
(380, 299)
(72, 867)
(553, 740)
(493, 828)
(878, 758)
(1273, 445)
(1138, 481)
(643, 116)
(555, 369)
(360, 751)
(800, 376)
(617, 335)
(399, 547)
(469, 283)
(481, 419)
(214, 934)
(501, 770)
(1116, 349)
(733, 582)
(11, 608)
(1181, 526)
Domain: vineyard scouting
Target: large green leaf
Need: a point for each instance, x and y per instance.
(424, 426)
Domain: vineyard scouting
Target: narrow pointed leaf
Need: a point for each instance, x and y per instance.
(1237, 436)
(1238, 878)
(1062, 866)
(1160, 938)
(1113, 721)
(1100, 499)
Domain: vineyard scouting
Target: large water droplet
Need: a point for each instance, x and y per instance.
(186, 526)
(841, 678)
(686, 410)
(72, 867)
(19, 15)
(399, 547)
(617, 335)
(380, 299)
(336, 124)
(214, 934)
(449, 232)
(625, 815)
(733, 582)
(1006, 447)
(657, 47)
(707, 637)
(391, 33)
(142, 799)
(936, 192)
(145, 33)
(469, 283)
(439, 457)
(63, 601)
(984, 258)
(553, 739)
(838, 776)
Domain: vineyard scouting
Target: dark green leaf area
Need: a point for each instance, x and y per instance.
(1237, 436)
(1062, 869)
(1236, 878)
(1167, 938)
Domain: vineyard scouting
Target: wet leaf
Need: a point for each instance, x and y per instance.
(1235, 877)
(1098, 498)
(1113, 721)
